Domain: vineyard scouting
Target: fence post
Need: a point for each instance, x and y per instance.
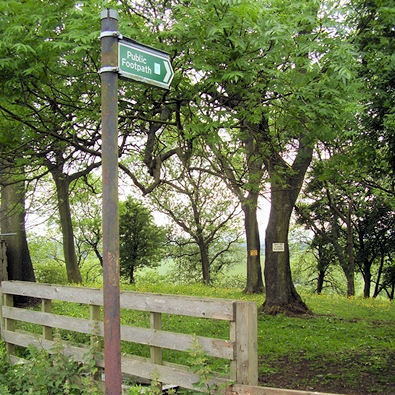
(1, 312)
(3, 277)
(3, 261)
(46, 307)
(156, 352)
(94, 315)
(244, 332)
(9, 324)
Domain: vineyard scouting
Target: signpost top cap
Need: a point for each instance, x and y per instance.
(109, 13)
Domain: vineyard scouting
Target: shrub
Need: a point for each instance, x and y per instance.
(47, 374)
(50, 272)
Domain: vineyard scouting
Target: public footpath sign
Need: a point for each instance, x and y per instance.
(145, 64)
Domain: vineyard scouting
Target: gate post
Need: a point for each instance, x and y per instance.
(244, 332)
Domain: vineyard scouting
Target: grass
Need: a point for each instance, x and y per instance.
(347, 346)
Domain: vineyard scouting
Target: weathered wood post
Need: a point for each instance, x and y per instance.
(46, 307)
(3, 261)
(3, 277)
(109, 112)
(244, 331)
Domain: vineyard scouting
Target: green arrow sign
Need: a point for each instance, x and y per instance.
(142, 63)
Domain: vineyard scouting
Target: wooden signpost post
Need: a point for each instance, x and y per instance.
(129, 59)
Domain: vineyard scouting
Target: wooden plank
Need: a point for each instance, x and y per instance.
(51, 320)
(221, 309)
(166, 374)
(246, 333)
(9, 324)
(46, 307)
(24, 340)
(17, 360)
(240, 389)
(174, 341)
(55, 292)
(178, 341)
(140, 367)
(156, 324)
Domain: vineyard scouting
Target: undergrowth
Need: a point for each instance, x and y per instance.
(46, 373)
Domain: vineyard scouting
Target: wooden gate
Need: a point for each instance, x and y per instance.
(239, 347)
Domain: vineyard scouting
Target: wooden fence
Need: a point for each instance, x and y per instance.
(240, 348)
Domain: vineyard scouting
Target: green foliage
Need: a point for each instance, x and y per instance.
(50, 273)
(47, 258)
(200, 364)
(154, 389)
(141, 240)
(47, 374)
(48, 263)
(187, 266)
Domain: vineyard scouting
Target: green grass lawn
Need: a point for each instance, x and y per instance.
(346, 346)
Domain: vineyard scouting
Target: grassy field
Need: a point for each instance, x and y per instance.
(347, 346)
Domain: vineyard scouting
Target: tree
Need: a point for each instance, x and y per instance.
(48, 87)
(12, 222)
(87, 218)
(276, 77)
(330, 217)
(375, 239)
(200, 205)
(375, 146)
(314, 220)
(348, 215)
(141, 241)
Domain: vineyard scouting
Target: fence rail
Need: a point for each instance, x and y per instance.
(240, 349)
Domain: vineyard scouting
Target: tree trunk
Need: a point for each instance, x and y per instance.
(367, 278)
(254, 270)
(13, 221)
(70, 256)
(19, 263)
(380, 272)
(321, 267)
(281, 295)
(350, 253)
(320, 281)
(349, 273)
(285, 185)
(131, 274)
(346, 258)
(204, 259)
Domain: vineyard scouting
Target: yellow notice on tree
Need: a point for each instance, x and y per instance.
(253, 252)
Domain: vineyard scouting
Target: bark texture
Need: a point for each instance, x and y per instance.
(70, 256)
(19, 263)
(286, 182)
(254, 272)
